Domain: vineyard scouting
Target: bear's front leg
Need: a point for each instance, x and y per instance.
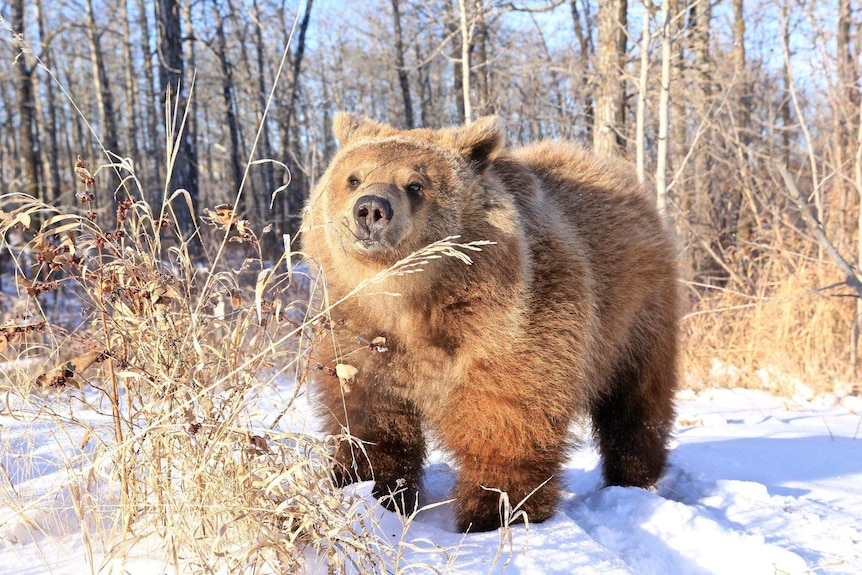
(501, 445)
(391, 447)
(479, 505)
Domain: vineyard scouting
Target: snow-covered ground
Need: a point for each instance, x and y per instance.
(756, 484)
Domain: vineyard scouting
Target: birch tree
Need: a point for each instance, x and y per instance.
(663, 109)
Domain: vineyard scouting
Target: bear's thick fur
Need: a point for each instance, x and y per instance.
(572, 312)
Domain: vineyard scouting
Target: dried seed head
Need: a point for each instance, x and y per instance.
(82, 172)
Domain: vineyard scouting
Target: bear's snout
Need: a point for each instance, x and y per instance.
(372, 214)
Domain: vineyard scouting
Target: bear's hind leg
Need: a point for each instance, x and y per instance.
(633, 420)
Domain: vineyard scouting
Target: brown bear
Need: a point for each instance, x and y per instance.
(571, 312)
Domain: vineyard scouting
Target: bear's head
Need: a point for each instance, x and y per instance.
(389, 192)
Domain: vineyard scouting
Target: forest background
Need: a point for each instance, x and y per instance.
(743, 115)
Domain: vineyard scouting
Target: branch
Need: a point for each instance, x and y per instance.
(547, 8)
(819, 233)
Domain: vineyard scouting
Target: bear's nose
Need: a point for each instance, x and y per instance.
(372, 214)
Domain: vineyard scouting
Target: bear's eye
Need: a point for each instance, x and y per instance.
(414, 188)
(353, 182)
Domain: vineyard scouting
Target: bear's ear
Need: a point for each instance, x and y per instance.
(481, 141)
(347, 127)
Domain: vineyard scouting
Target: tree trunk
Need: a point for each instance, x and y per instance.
(152, 139)
(581, 30)
(678, 148)
(29, 152)
(457, 63)
(847, 74)
(8, 145)
(786, 136)
(296, 192)
(53, 190)
(485, 84)
(105, 100)
(844, 114)
(184, 172)
(640, 118)
(857, 180)
(610, 62)
(466, 41)
(585, 45)
(190, 59)
(426, 92)
(130, 106)
(403, 79)
(739, 222)
(242, 76)
(228, 103)
(262, 94)
(663, 109)
(697, 205)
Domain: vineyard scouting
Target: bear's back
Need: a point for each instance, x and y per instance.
(629, 249)
(600, 199)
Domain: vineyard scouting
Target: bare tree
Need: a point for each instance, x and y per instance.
(182, 164)
(483, 67)
(739, 222)
(151, 98)
(107, 118)
(457, 58)
(296, 192)
(51, 132)
(585, 46)
(30, 163)
(640, 118)
(219, 47)
(466, 43)
(664, 108)
(610, 62)
(844, 98)
(426, 92)
(265, 139)
(130, 88)
(696, 204)
(403, 79)
(857, 181)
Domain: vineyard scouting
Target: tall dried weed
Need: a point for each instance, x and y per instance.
(171, 446)
(784, 332)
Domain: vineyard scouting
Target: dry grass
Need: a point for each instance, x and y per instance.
(784, 333)
(174, 355)
(148, 361)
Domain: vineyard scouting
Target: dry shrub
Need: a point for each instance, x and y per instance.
(178, 354)
(783, 333)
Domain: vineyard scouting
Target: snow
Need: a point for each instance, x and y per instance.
(756, 484)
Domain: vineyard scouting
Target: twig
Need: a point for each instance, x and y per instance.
(826, 423)
(816, 228)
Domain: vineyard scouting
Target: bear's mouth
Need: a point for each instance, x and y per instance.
(376, 246)
(370, 245)
(373, 243)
